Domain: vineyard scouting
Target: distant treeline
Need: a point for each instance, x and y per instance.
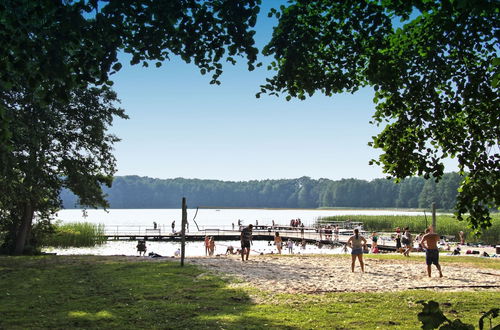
(304, 192)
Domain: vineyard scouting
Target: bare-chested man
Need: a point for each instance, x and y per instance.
(429, 242)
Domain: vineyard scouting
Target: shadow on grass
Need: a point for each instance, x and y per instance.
(99, 292)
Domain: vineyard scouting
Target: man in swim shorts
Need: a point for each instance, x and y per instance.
(246, 241)
(429, 243)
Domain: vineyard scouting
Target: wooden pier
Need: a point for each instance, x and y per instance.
(260, 233)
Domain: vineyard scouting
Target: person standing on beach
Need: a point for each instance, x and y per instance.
(278, 242)
(429, 243)
(289, 244)
(356, 242)
(211, 246)
(246, 241)
(207, 245)
(462, 237)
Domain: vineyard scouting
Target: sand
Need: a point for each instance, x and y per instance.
(316, 274)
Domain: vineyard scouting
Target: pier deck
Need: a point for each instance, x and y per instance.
(310, 235)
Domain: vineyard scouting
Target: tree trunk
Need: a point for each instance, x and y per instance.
(24, 228)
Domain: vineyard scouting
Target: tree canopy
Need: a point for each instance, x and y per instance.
(56, 103)
(434, 68)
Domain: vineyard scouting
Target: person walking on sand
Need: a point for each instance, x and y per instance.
(429, 243)
(356, 242)
(246, 241)
(407, 241)
(278, 242)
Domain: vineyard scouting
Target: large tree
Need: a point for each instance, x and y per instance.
(434, 67)
(55, 102)
(61, 144)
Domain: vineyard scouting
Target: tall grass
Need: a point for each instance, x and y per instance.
(446, 225)
(79, 234)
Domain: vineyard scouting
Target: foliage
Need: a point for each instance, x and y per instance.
(113, 292)
(434, 68)
(446, 225)
(432, 318)
(491, 314)
(56, 145)
(80, 234)
(304, 192)
(55, 99)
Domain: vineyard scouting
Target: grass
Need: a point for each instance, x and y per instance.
(90, 292)
(446, 225)
(79, 234)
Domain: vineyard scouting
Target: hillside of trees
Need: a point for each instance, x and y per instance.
(304, 192)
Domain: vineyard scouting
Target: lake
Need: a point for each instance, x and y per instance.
(205, 219)
(210, 218)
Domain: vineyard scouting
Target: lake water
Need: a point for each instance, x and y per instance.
(205, 219)
(209, 218)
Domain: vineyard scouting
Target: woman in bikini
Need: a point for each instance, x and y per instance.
(278, 242)
(356, 242)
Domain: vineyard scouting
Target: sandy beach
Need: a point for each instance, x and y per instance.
(316, 274)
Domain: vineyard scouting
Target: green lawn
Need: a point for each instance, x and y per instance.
(66, 292)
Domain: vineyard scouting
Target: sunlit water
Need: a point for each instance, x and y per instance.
(205, 219)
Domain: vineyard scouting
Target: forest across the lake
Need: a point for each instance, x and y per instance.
(304, 192)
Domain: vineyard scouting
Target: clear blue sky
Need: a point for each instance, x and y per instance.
(181, 126)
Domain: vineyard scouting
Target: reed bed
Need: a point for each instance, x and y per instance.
(446, 225)
(79, 234)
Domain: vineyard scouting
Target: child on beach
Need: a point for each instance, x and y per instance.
(141, 247)
(289, 245)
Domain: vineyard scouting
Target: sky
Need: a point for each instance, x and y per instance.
(181, 126)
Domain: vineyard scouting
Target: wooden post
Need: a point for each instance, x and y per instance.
(183, 230)
(434, 217)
